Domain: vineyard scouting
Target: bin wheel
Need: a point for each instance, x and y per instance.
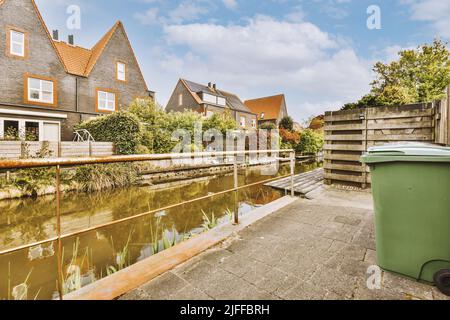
(442, 281)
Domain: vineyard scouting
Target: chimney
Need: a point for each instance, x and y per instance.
(209, 85)
(71, 40)
(55, 35)
(214, 86)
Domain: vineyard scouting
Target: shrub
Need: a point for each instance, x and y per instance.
(122, 128)
(287, 123)
(105, 176)
(268, 126)
(311, 142)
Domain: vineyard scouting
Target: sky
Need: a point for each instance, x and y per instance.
(319, 53)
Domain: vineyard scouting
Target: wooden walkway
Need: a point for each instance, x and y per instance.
(304, 183)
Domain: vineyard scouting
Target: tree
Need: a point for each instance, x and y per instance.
(287, 123)
(418, 76)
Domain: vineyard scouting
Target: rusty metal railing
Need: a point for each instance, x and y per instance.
(59, 163)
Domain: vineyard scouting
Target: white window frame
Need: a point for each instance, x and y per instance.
(12, 43)
(121, 76)
(41, 91)
(101, 107)
(221, 101)
(243, 121)
(180, 99)
(22, 126)
(209, 98)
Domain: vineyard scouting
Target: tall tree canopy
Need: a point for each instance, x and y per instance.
(418, 76)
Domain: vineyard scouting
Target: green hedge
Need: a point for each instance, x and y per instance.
(121, 128)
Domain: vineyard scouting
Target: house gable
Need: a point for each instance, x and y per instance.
(116, 48)
(41, 57)
(189, 100)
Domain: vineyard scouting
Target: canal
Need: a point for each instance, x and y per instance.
(32, 273)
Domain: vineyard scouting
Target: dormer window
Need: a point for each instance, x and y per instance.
(121, 71)
(263, 115)
(221, 101)
(209, 98)
(17, 43)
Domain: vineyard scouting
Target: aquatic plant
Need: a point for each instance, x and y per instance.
(20, 292)
(121, 257)
(73, 278)
(209, 223)
(105, 176)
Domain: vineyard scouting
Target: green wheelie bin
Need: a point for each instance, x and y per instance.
(411, 191)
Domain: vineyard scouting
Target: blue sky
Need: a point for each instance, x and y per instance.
(318, 52)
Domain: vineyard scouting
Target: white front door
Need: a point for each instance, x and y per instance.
(51, 132)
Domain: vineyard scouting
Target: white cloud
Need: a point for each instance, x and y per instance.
(148, 17)
(436, 12)
(266, 56)
(230, 4)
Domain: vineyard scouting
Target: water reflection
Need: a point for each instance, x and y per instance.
(99, 253)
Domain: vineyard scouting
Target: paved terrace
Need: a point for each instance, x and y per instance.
(311, 249)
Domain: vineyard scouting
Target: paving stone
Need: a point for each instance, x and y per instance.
(334, 281)
(371, 256)
(410, 288)
(164, 286)
(308, 250)
(189, 293)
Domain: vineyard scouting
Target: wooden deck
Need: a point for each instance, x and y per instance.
(304, 183)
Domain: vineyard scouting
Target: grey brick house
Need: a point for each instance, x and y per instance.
(47, 85)
(209, 100)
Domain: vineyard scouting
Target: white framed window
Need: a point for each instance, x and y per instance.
(29, 129)
(17, 43)
(242, 122)
(221, 101)
(180, 99)
(121, 71)
(253, 123)
(209, 98)
(106, 101)
(40, 90)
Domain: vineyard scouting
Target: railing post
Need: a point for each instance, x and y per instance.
(58, 232)
(292, 173)
(236, 190)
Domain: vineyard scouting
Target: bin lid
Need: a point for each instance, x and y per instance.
(409, 152)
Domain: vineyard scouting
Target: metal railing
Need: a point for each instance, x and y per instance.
(59, 163)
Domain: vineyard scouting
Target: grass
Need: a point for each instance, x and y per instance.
(209, 223)
(121, 257)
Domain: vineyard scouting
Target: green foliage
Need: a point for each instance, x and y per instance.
(122, 128)
(268, 126)
(223, 123)
(311, 142)
(287, 123)
(31, 180)
(105, 176)
(418, 76)
(209, 223)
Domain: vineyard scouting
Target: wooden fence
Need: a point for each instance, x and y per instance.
(20, 149)
(348, 134)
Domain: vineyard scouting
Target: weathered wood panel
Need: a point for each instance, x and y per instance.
(348, 134)
(22, 149)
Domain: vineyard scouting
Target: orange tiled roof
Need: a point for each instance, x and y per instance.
(75, 58)
(80, 61)
(270, 106)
